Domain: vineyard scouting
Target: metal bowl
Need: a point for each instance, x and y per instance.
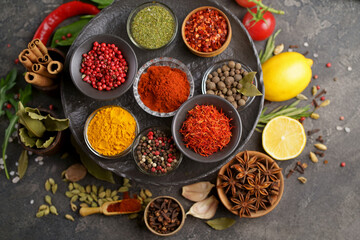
(86, 46)
(220, 104)
(219, 64)
(167, 131)
(139, 8)
(162, 61)
(88, 120)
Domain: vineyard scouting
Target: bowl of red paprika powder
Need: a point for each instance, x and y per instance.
(206, 31)
(162, 85)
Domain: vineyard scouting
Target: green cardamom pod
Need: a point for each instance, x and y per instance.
(313, 157)
(74, 198)
(54, 188)
(71, 186)
(102, 195)
(53, 210)
(83, 205)
(107, 193)
(88, 189)
(69, 217)
(82, 194)
(73, 207)
(93, 204)
(82, 199)
(47, 185)
(148, 193)
(94, 189)
(82, 189)
(314, 116)
(324, 103)
(147, 201)
(320, 146)
(75, 191)
(88, 202)
(93, 195)
(101, 189)
(140, 199)
(51, 181)
(133, 216)
(40, 214)
(69, 194)
(100, 202)
(43, 207)
(90, 198)
(47, 210)
(113, 193)
(48, 199)
(301, 97)
(115, 198)
(314, 90)
(76, 185)
(126, 181)
(123, 189)
(109, 199)
(142, 194)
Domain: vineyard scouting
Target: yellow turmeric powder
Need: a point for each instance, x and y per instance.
(111, 131)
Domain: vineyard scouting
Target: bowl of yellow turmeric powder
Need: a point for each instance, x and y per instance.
(110, 131)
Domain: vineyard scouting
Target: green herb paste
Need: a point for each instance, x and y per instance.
(153, 27)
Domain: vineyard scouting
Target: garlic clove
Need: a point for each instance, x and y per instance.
(204, 209)
(197, 192)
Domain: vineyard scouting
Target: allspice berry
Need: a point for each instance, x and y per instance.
(220, 85)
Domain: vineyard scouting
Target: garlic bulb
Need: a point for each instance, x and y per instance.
(198, 191)
(204, 209)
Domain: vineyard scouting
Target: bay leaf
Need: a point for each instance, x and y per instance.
(34, 113)
(36, 127)
(40, 143)
(249, 89)
(93, 168)
(26, 139)
(23, 163)
(54, 124)
(221, 223)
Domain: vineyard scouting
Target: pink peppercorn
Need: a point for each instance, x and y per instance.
(315, 76)
(342, 164)
(317, 87)
(341, 118)
(328, 65)
(322, 98)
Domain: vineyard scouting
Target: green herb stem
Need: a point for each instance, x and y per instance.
(269, 48)
(269, 9)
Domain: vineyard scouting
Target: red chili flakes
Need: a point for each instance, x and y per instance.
(206, 30)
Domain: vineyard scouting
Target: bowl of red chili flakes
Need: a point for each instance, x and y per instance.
(205, 40)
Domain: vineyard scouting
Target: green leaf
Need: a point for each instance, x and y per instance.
(40, 143)
(249, 89)
(26, 139)
(5, 85)
(94, 169)
(9, 130)
(25, 94)
(73, 28)
(221, 223)
(23, 163)
(269, 49)
(87, 16)
(34, 126)
(54, 124)
(104, 3)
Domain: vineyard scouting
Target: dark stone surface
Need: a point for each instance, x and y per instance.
(326, 207)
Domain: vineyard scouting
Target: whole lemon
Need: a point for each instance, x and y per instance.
(286, 75)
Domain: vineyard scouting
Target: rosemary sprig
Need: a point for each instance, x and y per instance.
(287, 110)
(269, 48)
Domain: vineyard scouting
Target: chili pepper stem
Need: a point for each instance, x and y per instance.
(269, 9)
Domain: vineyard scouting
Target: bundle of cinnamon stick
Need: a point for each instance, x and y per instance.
(42, 71)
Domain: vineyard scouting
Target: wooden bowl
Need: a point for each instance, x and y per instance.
(182, 217)
(226, 201)
(213, 53)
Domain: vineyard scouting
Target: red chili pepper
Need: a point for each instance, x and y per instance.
(61, 13)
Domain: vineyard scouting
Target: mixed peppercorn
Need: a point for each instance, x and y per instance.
(156, 153)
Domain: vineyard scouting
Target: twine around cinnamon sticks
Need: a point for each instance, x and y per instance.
(42, 71)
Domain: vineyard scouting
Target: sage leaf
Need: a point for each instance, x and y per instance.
(34, 126)
(204, 209)
(26, 139)
(221, 223)
(93, 168)
(54, 124)
(74, 29)
(198, 191)
(249, 89)
(40, 143)
(23, 163)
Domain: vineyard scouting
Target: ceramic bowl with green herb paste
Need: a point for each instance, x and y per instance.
(152, 26)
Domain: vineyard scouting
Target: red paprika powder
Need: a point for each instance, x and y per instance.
(163, 89)
(125, 206)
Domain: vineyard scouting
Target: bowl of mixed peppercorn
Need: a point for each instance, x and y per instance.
(206, 31)
(155, 152)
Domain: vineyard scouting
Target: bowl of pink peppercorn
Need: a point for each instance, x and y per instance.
(103, 67)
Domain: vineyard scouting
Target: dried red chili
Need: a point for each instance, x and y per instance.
(206, 30)
(125, 206)
(206, 130)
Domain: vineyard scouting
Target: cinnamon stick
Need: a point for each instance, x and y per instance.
(25, 60)
(54, 67)
(43, 71)
(38, 80)
(45, 60)
(37, 47)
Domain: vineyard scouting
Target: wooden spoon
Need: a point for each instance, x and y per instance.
(85, 211)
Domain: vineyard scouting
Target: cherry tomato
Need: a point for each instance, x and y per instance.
(246, 3)
(259, 30)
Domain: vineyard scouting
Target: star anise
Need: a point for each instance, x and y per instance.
(245, 160)
(260, 201)
(269, 172)
(229, 182)
(244, 205)
(246, 166)
(257, 185)
(274, 188)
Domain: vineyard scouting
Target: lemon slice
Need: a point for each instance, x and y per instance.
(283, 138)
